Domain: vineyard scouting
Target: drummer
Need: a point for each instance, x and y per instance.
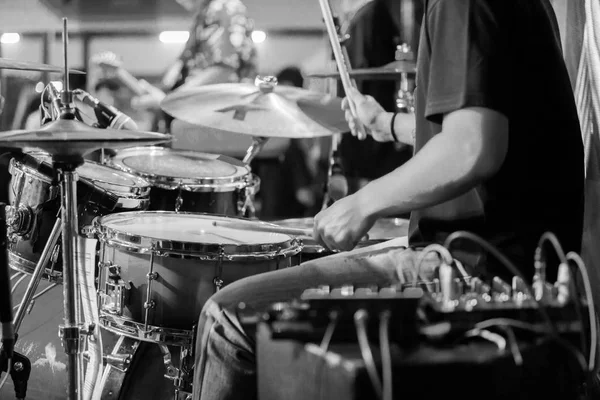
(485, 160)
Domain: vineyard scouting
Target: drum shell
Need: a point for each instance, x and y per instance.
(181, 287)
(223, 203)
(38, 192)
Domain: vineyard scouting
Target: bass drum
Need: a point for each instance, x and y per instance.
(39, 342)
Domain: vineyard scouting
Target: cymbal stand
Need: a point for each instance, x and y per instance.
(38, 273)
(258, 143)
(71, 332)
(405, 100)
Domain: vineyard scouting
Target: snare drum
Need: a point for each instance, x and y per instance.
(157, 269)
(191, 181)
(383, 230)
(37, 198)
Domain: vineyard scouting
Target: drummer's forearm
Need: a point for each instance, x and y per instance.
(404, 126)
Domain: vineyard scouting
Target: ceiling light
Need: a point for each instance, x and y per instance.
(10, 38)
(174, 36)
(259, 36)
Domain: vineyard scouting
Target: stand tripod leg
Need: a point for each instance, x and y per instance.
(71, 331)
(258, 143)
(333, 155)
(37, 274)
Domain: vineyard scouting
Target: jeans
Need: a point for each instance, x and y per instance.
(225, 364)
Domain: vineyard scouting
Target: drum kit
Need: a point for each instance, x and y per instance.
(141, 240)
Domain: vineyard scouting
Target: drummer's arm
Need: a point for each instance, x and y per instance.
(470, 149)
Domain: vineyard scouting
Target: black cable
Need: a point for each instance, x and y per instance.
(493, 250)
(578, 308)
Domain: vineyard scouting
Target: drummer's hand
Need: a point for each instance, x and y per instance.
(370, 114)
(343, 225)
(149, 101)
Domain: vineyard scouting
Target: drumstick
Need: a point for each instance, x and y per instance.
(265, 228)
(270, 228)
(342, 63)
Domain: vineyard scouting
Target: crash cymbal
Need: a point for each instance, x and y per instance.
(262, 110)
(73, 138)
(391, 71)
(6, 63)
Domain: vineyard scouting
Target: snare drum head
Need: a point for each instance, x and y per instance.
(170, 169)
(190, 234)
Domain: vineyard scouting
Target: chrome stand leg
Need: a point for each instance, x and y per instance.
(255, 148)
(71, 332)
(336, 140)
(37, 274)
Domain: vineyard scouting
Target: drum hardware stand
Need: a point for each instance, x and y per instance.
(218, 281)
(182, 376)
(20, 366)
(37, 273)
(405, 100)
(266, 84)
(20, 370)
(72, 332)
(258, 143)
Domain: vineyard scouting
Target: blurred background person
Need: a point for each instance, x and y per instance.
(304, 166)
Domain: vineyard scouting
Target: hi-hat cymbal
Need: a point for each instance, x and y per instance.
(391, 71)
(73, 138)
(6, 63)
(263, 110)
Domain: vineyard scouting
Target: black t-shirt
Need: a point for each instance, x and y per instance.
(504, 55)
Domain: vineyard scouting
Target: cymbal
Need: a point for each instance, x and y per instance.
(73, 138)
(6, 63)
(267, 110)
(391, 71)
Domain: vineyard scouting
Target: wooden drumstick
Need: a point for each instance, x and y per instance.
(270, 228)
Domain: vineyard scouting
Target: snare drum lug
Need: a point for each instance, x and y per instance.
(149, 304)
(152, 276)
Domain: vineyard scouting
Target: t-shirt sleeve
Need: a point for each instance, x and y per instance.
(468, 65)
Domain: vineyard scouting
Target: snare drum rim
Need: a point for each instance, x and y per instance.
(169, 248)
(238, 180)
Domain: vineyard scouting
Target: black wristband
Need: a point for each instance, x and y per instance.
(392, 130)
